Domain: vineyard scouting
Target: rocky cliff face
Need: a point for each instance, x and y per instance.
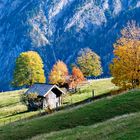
(57, 29)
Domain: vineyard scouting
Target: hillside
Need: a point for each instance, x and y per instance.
(124, 127)
(84, 115)
(58, 29)
(12, 109)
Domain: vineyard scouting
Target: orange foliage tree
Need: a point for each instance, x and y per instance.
(58, 73)
(125, 67)
(76, 77)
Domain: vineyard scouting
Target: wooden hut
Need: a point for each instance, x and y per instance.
(51, 95)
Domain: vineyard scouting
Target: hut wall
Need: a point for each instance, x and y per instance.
(52, 100)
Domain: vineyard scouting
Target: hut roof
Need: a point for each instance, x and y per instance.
(42, 89)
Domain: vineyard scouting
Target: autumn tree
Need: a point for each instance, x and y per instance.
(28, 69)
(131, 31)
(76, 78)
(125, 67)
(89, 63)
(58, 73)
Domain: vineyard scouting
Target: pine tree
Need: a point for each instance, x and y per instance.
(89, 63)
(58, 73)
(28, 69)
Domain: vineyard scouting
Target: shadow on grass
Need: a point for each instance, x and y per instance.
(88, 100)
(16, 114)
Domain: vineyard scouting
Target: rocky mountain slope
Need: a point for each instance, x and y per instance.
(58, 29)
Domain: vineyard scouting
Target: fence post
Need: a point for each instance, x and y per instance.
(93, 93)
(24, 117)
(10, 120)
(39, 112)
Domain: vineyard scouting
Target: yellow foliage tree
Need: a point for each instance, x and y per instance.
(58, 73)
(89, 63)
(125, 67)
(28, 70)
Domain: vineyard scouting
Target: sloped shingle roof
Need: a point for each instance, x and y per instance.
(40, 89)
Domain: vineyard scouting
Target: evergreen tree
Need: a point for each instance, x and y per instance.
(28, 69)
(89, 63)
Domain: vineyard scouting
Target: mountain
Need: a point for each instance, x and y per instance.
(58, 29)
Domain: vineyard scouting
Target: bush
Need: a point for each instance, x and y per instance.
(33, 101)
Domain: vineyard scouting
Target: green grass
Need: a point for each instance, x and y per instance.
(12, 109)
(10, 103)
(86, 115)
(10, 98)
(126, 127)
(19, 117)
(99, 86)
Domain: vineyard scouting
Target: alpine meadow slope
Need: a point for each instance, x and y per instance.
(84, 116)
(58, 29)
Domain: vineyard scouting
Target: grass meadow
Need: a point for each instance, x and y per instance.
(126, 127)
(12, 109)
(84, 115)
